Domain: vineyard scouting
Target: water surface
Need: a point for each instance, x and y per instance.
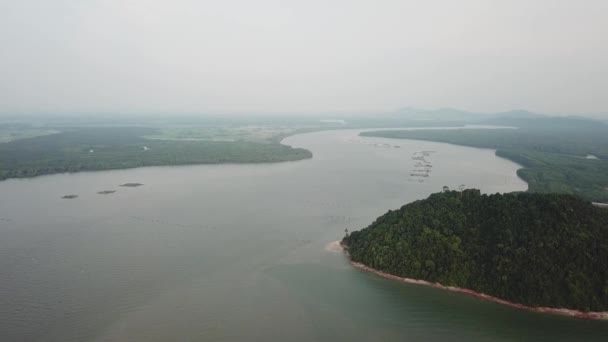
(237, 252)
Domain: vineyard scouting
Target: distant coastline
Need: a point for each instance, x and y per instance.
(553, 156)
(556, 311)
(112, 148)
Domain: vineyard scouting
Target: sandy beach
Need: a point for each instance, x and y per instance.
(335, 247)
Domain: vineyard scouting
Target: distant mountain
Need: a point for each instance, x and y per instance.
(518, 118)
(438, 114)
(513, 117)
(518, 114)
(458, 114)
(543, 123)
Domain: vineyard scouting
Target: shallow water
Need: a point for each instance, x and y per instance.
(237, 252)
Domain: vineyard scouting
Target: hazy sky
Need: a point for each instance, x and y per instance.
(302, 56)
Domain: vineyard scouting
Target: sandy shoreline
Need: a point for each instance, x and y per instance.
(335, 246)
(555, 311)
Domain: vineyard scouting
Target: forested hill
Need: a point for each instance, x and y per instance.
(529, 248)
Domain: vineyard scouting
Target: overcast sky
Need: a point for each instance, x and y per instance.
(302, 56)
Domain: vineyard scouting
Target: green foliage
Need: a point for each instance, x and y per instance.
(551, 150)
(535, 249)
(86, 149)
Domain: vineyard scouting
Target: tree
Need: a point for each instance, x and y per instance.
(534, 249)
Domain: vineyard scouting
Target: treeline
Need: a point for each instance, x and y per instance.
(535, 249)
(87, 149)
(551, 150)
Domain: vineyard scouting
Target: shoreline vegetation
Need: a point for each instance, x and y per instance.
(111, 148)
(553, 152)
(540, 252)
(595, 315)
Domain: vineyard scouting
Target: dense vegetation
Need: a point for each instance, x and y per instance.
(535, 249)
(84, 149)
(16, 131)
(551, 150)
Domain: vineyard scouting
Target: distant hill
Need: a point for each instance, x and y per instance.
(443, 114)
(518, 114)
(511, 117)
(458, 114)
(539, 122)
(535, 249)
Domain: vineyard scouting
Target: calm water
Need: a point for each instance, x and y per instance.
(237, 252)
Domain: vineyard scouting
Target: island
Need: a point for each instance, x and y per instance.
(69, 196)
(545, 252)
(106, 192)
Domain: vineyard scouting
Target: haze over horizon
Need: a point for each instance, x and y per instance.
(270, 56)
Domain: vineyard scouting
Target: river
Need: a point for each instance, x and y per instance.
(238, 252)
